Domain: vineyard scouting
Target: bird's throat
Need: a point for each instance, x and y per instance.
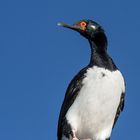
(99, 57)
(97, 52)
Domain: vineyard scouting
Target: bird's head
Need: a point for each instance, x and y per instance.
(90, 30)
(86, 28)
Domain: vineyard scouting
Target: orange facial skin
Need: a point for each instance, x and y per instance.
(82, 25)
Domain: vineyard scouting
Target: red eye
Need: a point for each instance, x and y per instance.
(83, 24)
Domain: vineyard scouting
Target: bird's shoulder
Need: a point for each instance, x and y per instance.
(73, 89)
(71, 93)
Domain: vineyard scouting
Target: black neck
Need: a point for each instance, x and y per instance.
(99, 55)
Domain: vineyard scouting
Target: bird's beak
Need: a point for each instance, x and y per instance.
(73, 27)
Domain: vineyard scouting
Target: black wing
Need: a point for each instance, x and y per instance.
(120, 108)
(71, 93)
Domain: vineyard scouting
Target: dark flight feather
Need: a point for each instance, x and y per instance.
(120, 108)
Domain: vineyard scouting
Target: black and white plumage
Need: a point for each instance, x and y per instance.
(95, 97)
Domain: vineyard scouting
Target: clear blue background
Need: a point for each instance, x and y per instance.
(38, 59)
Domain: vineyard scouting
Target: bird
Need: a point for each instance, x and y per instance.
(95, 97)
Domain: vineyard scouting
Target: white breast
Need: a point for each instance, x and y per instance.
(92, 113)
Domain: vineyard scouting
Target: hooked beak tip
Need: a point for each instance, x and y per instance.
(59, 24)
(64, 25)
(73, 27)
(67, 26)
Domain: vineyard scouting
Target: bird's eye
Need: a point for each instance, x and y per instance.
(83, 24)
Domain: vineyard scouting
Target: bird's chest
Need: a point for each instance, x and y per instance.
(95, 106)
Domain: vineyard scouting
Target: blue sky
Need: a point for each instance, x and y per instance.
(38, 59)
